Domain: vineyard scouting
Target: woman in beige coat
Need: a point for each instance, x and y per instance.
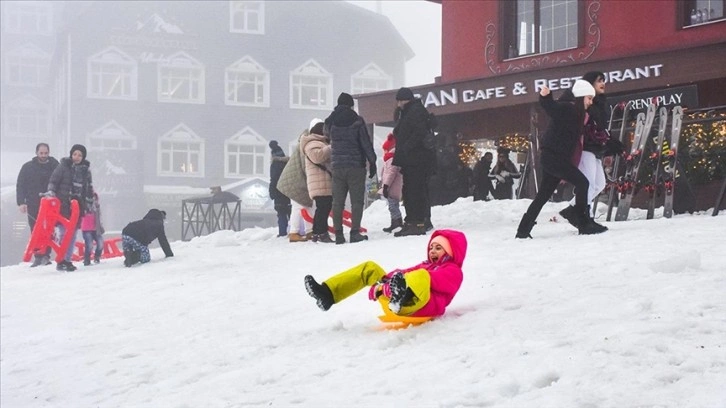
(315, 150)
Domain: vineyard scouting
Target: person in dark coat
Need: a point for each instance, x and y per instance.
(72, 180)
(282, 202)
(415, 161)
(137, 236)
(504, 173)
(351, 147)
(32, 182)
(482, 182)
(559, 144)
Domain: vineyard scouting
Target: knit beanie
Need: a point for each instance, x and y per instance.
(80, 148)
(404, 94)
(582, 88)
(390, 142)
(444, 242)
(345, 99)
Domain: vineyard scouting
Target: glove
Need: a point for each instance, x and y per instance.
(504, 173)
(385, 190)
(372, 170)
(500, 178)
(48, 193)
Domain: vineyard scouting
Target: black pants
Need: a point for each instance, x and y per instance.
(555, 169)
(416, 199)
(323, 205)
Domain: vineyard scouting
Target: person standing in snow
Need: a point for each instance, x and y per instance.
(425, 289)
(482, 182)
(32, 182)
(392, 181)
(282, 202)
(92, 231)
(504, 173)
(315, 148)
(559, 144)
(137, 235)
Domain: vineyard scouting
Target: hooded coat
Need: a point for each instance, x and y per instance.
(33, 181)
(72, 181)
(444, 276)
(316, 152)
(149, 228)
(349, 139)
(563, 132)
(412, 128)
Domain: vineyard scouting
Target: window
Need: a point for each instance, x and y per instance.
(181, 79)
(370, 79)
(112, 75)
(27, 66)
(181, 153)
(27, 117)
(247, 84)
(697, 12)
(247, 17)
(244, 154)
(28, 17)
(539, 26)
(111, 136)
(311, 87)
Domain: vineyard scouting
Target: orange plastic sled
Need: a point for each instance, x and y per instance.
(393, 321)
(346, 219)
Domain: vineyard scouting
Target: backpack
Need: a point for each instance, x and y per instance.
(429, 140)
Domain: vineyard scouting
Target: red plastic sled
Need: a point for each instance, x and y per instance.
(42, 236)
(346, 219)
(110, 249)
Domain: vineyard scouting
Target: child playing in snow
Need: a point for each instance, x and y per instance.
(137, 236)
(392, 181)
(422, 290)
(92, 231)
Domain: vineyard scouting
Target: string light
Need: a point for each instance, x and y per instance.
(705, 142)
(515, 142)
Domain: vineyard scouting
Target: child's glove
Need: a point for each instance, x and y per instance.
(380, 288)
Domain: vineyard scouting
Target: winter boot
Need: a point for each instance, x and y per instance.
(525, 226)
(395, 223)
(587, 225)
(131, 258)
(401, 294)
(429, 226)
(355, 236)
(37, 261)
(65, 266)
(339, 237)
(295, 237)
(324, 238)
(321, 293)
(570, 214)
(411, 229)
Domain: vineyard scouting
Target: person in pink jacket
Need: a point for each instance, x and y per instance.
(425, 289)
(92, 231)
(392, 181)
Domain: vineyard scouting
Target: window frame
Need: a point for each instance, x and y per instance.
(321, 75)
(20, 107)
(246, 137)
(105, 58)
(363, 75)
(684, 13)
(23, 58)
(181, 61)
(509, 30)
(233, 13)
(103, 134)
(247, 66)
(180, 134)
(15, 10)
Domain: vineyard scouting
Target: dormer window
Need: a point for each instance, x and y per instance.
(112, 74)
(247, 17)
(311, 87)
(181, 79)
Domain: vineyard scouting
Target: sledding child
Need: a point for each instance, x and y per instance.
(92, 231)
(392, 181)
(137, 236)
(422, 290)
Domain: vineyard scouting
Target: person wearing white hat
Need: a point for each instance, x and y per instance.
(559, 144)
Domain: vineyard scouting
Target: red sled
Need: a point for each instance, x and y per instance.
(42, 236)
(110, 249)
(346, 219)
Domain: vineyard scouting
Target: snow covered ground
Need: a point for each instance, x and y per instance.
(634, 317)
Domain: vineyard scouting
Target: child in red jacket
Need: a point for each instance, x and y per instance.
(425, 289)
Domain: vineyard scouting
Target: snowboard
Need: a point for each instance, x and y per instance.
(628, 185)
(42, 236)
(654, 158)
(670, 161)
(612, 184)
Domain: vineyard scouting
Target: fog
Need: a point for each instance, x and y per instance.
(87, 72)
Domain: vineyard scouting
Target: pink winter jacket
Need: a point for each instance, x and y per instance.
(446, 274)
(88, 222)
(393, 178)
(314, 149)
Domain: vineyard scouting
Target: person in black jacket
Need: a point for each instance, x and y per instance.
(72, 180)
(482, 182)
(32, 182)
(282, 202)
(417, 162)
(597, 143)
(559, 144)
(351, 147)
(137, 236)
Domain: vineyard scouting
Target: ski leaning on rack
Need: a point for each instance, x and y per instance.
(628, 185)
(670, 161)
(612, 184)
(653, 184)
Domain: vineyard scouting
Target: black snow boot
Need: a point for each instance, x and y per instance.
(411, 229)
(570, 214)
(525, 226)
(587, 225)
(356, 236)
(401, 294)
(131, 258)
(339, 237)
(321, 293)
(396, 223)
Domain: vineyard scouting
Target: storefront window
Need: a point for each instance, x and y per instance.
(539, 26)
(701, 11)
